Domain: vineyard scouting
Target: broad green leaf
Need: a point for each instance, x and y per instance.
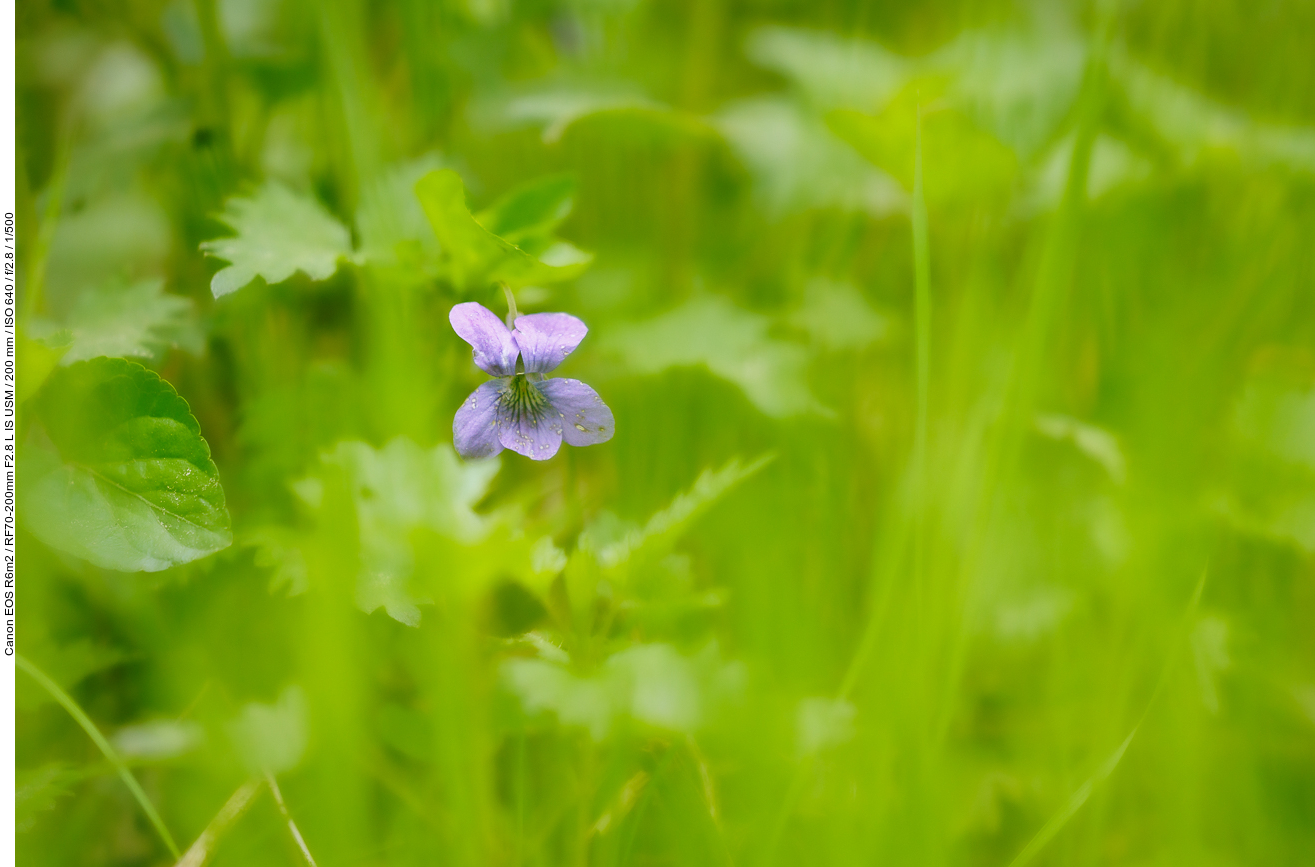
(732, 343)
(473, 254)
(129, 483)
(279, 232)
(139, 321)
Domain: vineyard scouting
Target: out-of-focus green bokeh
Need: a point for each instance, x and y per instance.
(989, 546)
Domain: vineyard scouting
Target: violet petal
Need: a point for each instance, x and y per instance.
(495, 348)
(538, 437)
(586, 420)
(475, 429)
(545, 339)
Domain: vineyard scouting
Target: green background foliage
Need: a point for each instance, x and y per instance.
(961, 507)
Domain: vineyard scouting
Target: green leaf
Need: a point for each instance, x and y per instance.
(392, 226)
(799, 165)
(402, 489)
(129, 483)
(653, 684)
(531, 211)
(139, 320)
(665, 527)
(38, 357)
(837, 317)
(473, 254)
(271, 738)
(829, 69)
(963, 161)
(38, 790)
(734, 344)
(279, 232)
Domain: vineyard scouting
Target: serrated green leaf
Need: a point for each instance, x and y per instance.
(401, 489)
(667, 525)
(137, 321)
(129, 483)
(473, 254)
(279, 233)
(37, 791)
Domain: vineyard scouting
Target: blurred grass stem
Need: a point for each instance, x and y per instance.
(232, 810)
(67, 702)
(292, 825)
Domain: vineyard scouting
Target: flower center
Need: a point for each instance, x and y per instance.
(522, 398)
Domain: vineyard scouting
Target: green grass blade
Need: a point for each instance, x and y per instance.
(108, 751)
(1083, 792)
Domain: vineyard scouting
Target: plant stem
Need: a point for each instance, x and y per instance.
(67, 702)
(292, 825)
(233, 808)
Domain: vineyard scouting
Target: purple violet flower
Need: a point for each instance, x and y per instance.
(519, 409)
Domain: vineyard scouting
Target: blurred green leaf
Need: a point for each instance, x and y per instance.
(38, 790)
(38, 357)
(401, 489)
(654, 540)
(832, 71)
(71, 663)
(734, 344)
(135, 321)
(1020, 85)
(798, 164)
(129, 484)
(962, 162)
(652, 684)
(392, 224)
(279, 232)
(271, 738)
(473, 254)
(158, 739)
(556, 106)
(531, 211)
(837, 316)
(1193, 124)
(821, 723)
